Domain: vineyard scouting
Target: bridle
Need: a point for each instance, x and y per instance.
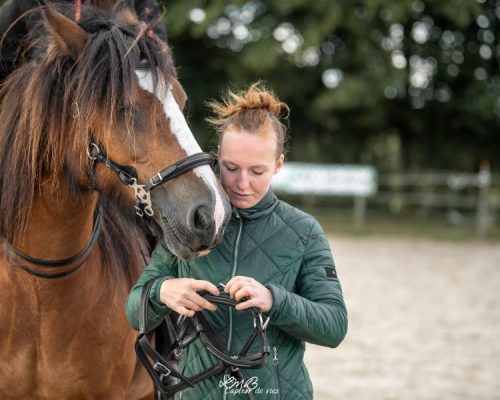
(143, 205)
(128, 175)
(160, 369)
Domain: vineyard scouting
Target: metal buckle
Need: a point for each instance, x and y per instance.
(163, 370)
(155, 180)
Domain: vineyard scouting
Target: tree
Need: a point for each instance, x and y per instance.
(400, 84)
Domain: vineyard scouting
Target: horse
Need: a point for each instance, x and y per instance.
(87, 126)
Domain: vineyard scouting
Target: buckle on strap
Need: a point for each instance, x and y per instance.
(162, 369)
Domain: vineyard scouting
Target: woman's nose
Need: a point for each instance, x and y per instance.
(243, 181)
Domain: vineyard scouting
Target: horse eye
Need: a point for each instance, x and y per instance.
(143, 64)
(126, 110)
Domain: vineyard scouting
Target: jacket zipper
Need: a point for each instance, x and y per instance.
(275, 356)
(233, 274)
(275, 372)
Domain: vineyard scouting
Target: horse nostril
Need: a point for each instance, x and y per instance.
(201, 218)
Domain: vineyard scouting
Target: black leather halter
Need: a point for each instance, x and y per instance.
(160, 369)
(51, 265)
(128, 175)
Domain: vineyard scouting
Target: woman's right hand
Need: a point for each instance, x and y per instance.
(180, 295)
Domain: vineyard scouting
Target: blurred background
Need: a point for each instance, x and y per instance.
(407, 87)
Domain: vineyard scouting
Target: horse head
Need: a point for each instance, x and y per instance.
(111, 94)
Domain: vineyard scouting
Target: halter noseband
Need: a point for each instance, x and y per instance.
(160, 369)
(128, 175)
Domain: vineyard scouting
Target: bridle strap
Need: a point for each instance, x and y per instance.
(159, 368)
(52, 264)
(128, 175)
(180, 167)
(125, 173)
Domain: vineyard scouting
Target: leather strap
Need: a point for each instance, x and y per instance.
(180, 167)
(53, 264)
(157, 365)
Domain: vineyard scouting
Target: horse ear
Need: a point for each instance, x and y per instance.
(69, 37)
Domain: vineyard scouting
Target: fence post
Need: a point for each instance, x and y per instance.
(483, 183)
(359, 211)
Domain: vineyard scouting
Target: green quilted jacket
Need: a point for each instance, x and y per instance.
(286, 250)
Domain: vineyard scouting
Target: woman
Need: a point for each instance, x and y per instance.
(273, 256)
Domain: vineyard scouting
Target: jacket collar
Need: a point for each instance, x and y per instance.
(264, 207)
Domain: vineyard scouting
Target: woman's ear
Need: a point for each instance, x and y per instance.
(279, 163)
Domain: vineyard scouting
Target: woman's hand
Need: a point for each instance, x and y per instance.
(180, 295)
(257, 295)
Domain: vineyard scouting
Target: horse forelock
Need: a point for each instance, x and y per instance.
(50, 103)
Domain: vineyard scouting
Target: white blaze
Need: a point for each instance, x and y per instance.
(181, 131)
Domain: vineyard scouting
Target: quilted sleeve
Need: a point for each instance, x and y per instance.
(316, 313)
(164, 265)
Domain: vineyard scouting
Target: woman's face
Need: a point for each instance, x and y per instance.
(247, 164)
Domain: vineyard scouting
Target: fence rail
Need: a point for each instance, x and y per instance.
(474, 193)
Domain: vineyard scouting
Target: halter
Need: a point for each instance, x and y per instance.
(160, 369)
(128, 175)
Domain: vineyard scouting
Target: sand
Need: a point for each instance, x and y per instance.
(424, 322)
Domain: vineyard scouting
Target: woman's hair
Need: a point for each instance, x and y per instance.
(252, 111)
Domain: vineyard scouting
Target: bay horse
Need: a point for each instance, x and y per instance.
(97, 105)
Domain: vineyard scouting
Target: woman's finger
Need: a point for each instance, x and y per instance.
(191, 305)
(246, 304)
(201, 303)
(181, 310)
(205, 285)
(244, 292)
(236, 280)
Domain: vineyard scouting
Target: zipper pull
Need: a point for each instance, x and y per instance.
(275, 359)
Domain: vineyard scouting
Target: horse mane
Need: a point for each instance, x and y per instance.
(49, 101)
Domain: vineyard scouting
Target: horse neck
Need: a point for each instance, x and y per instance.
(60, 224)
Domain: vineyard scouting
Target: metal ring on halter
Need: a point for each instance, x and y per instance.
(90, 153)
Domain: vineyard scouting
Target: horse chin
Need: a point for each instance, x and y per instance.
(175, 244)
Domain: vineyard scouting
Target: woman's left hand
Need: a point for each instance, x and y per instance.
(257, 295)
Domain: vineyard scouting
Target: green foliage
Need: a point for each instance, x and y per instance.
(402, 84)
(412, 84)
